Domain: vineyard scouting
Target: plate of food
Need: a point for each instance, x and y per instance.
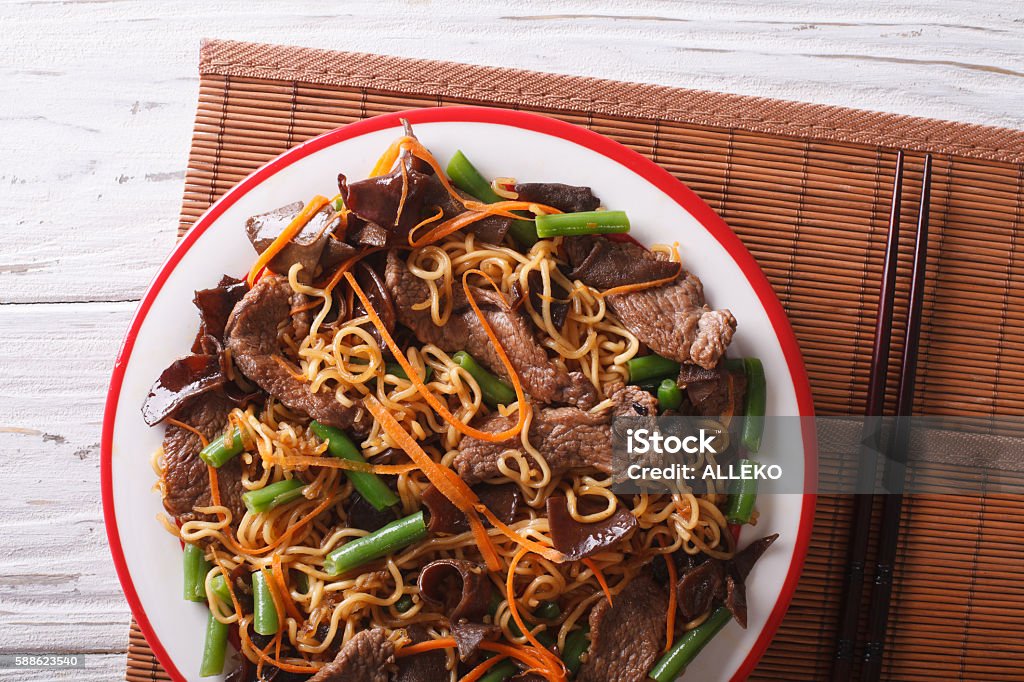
(360, 426)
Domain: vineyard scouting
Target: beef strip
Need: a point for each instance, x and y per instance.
(186, 478)
(252, 333)
(542, 379)
(671, 319)
(569, 438)
(568, 198)
(627, 638)
(367, 657)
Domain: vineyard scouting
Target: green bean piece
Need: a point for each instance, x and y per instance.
(338, 204)
(397, 370)
(466, 177)
(496, 599)
(196, 567)
(495, 391)
(390, 538)
(215, 647)
(584, 222)
(670, 396)
(264, 615)
(273, 495)
(404, 603)
(222, 449)
(742, 496)
(576, 644)
(501, 672)
(687, 647)
(301, 582)
(755, 404)
(219, 587)
(547, 610)
(648, 367)
(371, 486)
(544, 637)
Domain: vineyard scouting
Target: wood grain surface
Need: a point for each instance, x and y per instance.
(97, 100)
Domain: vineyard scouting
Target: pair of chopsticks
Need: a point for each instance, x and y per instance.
(894, 450)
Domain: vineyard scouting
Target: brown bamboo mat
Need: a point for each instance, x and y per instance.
(807, 189)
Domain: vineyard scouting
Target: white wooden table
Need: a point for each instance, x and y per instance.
(97, 101)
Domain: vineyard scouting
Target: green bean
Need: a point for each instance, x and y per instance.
(585, 222)
(576, 644)
(647, 367)
(264, 615)
(219, 587)
(196, 567)
(687, 647)
(547, 610)
(390, 538)
(467, 178)
(500, 672)
(273, 495)
(755, 404)
(222, 449)
(404, 603)
(301, 582)
(742, 496)
(214, 647)
(338, 204)
(495, 391)
(371, 486)
(670, 396)
(397, 370)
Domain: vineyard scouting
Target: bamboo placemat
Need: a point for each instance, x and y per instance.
(807, 189)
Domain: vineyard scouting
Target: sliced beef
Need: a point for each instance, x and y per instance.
(671, 319)
(367, 657)
(431, 666)
(186, 478)
(469, 636)
(252, 337)
(306, 247)
(569, 438)
(542, 379)
(627, 638)
(567, 198)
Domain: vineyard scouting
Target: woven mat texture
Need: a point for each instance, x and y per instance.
(807, 188)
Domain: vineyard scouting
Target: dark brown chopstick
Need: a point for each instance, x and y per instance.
(896, 464)
(842, 665)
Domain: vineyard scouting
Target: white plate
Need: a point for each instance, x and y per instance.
(500, 142)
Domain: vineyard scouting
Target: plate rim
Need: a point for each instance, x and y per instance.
(632, 160)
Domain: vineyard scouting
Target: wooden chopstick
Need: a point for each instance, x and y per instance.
(842, 664)
(896, 464)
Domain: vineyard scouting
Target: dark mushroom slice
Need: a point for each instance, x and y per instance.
(460, 586)
(306, 247)
(567, 198)
(535, 284)
(184, 379)
(393, 202)
(580, 540)
(697, 589)
(215, 305)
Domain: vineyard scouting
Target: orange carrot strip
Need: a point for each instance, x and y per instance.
(630, 288)
(549, 553)
(429, 645)
(430, 398)
(345, 266)
(286, 597)
(589, 563)
(525, 655)
(214, 485)
(294, 227)
(553, 664)
(476, 211)
(479, 671)
(183, 425)
(673, 577)
(388, 158)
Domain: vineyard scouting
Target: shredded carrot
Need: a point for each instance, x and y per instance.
(345, 465)
(592, 565)
(476, 211)
(673, 576)
(293, 228)
(388, 158)
(282, 586)
(431, 399)
(444, 479)
(303, 308)
(525, 655)
(183, 425)
(345, 266)
(553, 666)
(214, 485)
(429, 645)
(405, 194)
(630, 288)
(284, 539)
(479, 671)
(548, 553)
